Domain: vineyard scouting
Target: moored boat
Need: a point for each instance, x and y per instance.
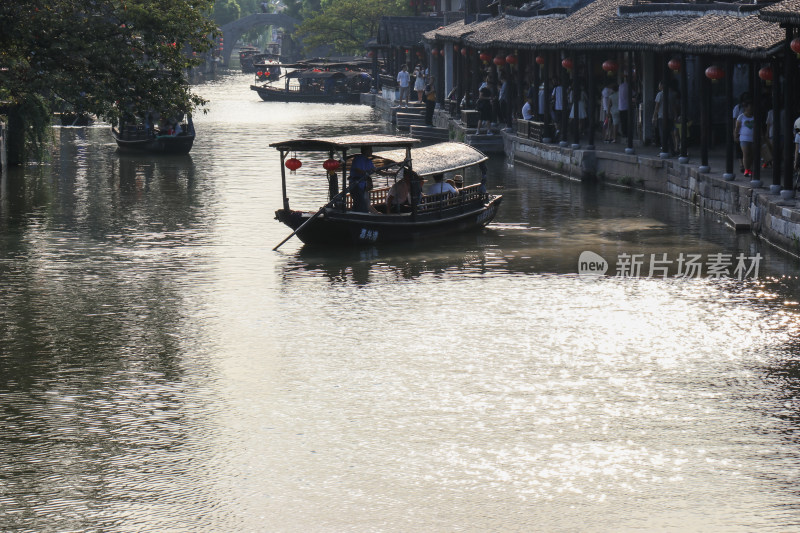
(418, 216)
(317, 86)
(169, 138)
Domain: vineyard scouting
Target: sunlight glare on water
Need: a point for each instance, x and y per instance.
(162, 369)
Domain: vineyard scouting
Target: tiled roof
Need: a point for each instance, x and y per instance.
(452, 32)
(599, 26)
(786, 12)
(405, 31)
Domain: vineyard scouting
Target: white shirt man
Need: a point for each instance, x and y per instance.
(527, 112)
(403, 80)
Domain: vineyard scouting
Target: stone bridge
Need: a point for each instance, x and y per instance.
(233, 31)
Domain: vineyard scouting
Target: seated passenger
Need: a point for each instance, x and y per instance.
(399, 194)
(441, 187)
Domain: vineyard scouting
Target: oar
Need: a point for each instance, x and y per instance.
(315, 215)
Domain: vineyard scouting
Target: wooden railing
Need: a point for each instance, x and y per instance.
(428, 202)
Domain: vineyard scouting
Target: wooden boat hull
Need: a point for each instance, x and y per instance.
(179, 144)
(335, 227)
(274, 94)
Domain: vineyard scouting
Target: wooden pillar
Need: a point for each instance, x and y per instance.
(758, 117)
(576, 130)
(590, 108)
(631, 126)
(666, 130)
(788, 128)
(705, 115)
(564, 126)
(549, 60)
(536, 83)
(777, 155)
(684, 148)
(729, 121)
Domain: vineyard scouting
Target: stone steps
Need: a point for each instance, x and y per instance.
(429, 133)
(405, 120)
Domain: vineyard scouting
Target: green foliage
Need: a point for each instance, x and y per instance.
(345, 24)
(226, 11)
(105, 57)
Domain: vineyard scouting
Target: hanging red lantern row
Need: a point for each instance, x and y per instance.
(566, 63)
(293, 164)
(485, 57)
(511, 59)
(540, 60)
(331, 165)
(610, 66)
(795, 46)
(674, 64)
(715, 73)
(766, 74)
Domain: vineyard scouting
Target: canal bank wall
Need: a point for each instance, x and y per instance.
(767, 215)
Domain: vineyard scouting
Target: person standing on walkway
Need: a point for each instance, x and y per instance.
(743, 134)
(404, 80)
(429, 95)
(622, 94)
(419, 82)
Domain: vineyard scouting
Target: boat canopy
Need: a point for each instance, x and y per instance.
(437, 158)
(321, 75)
(348, 142)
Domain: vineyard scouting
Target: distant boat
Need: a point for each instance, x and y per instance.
(149, 139)
(417, 217)
(316, 81)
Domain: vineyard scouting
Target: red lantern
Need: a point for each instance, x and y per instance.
(293, 164)
(766, 74)
(610, 66)
(795, 46)
(485, 56)
(567, 63)
(371, 54)
(511, 59)
(464, 52)
(420, 54)
(540, 60)
(434, 52)
(455, 48)
(259, 73)
(331, 165)
(499, 61)
(674, 64)
(715, 73)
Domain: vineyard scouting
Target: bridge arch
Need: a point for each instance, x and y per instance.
(233, 31)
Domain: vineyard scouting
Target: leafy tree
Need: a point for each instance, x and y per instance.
(106, 57)
(346, 24)
(226, 11)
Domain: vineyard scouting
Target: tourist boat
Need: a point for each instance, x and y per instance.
(266, 67)
(151, 139)
(424, 217)
(317, 86)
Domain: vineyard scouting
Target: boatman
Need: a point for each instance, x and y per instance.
(360, 182)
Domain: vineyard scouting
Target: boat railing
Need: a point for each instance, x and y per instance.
(465, 195)
(429, 202)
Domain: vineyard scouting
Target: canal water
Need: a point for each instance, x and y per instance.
(162, 369)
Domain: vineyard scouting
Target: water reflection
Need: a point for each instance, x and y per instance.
(162, 368)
